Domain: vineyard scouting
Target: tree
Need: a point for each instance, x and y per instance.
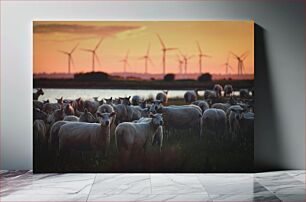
(92, 76)
(169, 77)
(205, 77)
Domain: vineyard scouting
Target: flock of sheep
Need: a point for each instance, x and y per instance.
(86, 125)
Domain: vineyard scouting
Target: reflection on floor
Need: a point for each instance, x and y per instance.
(271, 186)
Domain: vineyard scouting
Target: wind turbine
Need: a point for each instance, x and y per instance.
(147, 59)
(70, 59)
(227, 65)
(125, 61)
(164, 49)
(94, 54)
(201, 55)
(180, 63)
(186, 58)
(240, 59)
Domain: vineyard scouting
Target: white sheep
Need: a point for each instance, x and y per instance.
(223, 106)
(179, 117)
(40, 129)
(136, 99)
(163, 96)
(218, 89)
(228, 90)
(214, 122)
(191, 96)
(202, 104)
(71, 118)
(82, 136)
(210, 94)
(91, 105)
(132, 138)
(38, 93)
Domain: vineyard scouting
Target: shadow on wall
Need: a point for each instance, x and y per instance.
(267, 154)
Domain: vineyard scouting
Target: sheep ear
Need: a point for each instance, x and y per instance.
(151, 115)
(129, 97)
(112, 114)
(99, 114)
(85, 110)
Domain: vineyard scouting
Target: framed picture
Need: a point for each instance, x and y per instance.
(143, 96)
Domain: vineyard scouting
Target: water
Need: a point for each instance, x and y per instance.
(52, 93)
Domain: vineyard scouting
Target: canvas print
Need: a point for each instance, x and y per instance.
(143, 96)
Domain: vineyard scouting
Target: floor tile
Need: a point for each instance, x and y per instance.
(48, 184)
(291, 197)
(43, 198)
(231, 198)
(297, 174)
(281, 183)
(176, 184)
(150, 198)
(223, 184)
(118, 184)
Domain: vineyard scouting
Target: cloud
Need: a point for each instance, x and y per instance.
(131, 33)
(77, 31)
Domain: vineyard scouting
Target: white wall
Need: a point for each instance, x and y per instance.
(280, 130)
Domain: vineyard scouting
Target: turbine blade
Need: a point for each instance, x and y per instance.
(234, 54)
(181, 53)
(161, 41)
(88, 50)
(148, 49)
(127, 54)
(99, 43)
(63, 52)
(199, 48)
(74, 48)
(72, 61)
(227, 59)
(151, 61)
(179, 57)
(169, 49)
(243, 54)
(207, 56)
(190, 57)
(97, 58)
(230, 67)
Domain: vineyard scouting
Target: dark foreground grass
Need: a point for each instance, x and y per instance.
(181, 152)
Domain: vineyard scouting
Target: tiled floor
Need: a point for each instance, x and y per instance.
(272, 186)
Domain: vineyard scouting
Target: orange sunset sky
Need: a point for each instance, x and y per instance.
(216, 38)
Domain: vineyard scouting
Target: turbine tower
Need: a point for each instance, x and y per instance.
(227, 66)
(180, 64)
(70, 59)
(186, 58)
(164, 49)
(201, 55)
(94, 54)
(147, 59)
(125, 61)
(240, 60)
